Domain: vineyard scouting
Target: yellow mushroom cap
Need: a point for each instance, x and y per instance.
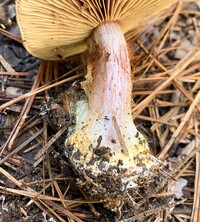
(55, 29)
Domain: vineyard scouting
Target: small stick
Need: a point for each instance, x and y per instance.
(145, 214)
(191, 57)
(169, 72)
(24, 112)
(6, 65)
(10, 35)
(13, 73)
(121, 139)
(20, 147)
(39, 156)
(38, 90)
(181, 126)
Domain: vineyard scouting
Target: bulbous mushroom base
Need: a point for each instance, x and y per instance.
(109, 158)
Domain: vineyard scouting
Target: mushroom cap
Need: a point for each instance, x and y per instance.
(55, 29)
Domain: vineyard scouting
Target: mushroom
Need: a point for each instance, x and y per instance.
(105, 149)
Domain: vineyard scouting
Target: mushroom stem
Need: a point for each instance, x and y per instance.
(105, 142)
(109, 76)
(108, 84)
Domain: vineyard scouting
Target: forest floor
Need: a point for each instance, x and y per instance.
(36, 182)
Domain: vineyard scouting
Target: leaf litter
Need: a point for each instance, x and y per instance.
(36, 182)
